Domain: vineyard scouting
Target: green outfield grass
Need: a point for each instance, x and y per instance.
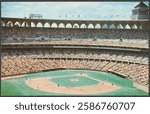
(17, 86)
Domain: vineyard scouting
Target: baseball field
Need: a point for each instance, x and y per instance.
(69, 83)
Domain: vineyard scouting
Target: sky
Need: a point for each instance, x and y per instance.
(70, 10)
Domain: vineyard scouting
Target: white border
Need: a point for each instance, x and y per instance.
(7, 104)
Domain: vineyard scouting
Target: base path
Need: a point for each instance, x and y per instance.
(44, 84)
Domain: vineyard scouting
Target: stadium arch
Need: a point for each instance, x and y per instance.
(39, 24)
(25, 24)
(61, 25)
(127, 26)
(76, 25)
(10, 23)
(91, 26)
(112, 26)
(134, 26)
(68, 25)
(18, 24)
(33, 24)
(83, 25)
(119, 26)
(97, 26)
(2, 23)
(140, 27)
(105, 26)
(54, 25)
(46, 25)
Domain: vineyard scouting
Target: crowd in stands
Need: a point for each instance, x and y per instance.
(22, 33)
(132, 66)
(15, 66)
(104, 37)
(84, 54)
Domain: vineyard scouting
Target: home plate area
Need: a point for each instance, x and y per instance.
(74, 84)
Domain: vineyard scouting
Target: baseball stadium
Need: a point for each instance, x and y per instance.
(54, 57)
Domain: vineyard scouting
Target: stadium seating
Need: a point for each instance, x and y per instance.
(20, 62)
(132, 65)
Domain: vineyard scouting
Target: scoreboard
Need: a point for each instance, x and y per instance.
(35, 16)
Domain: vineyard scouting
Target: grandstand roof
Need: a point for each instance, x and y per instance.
(141, 5)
